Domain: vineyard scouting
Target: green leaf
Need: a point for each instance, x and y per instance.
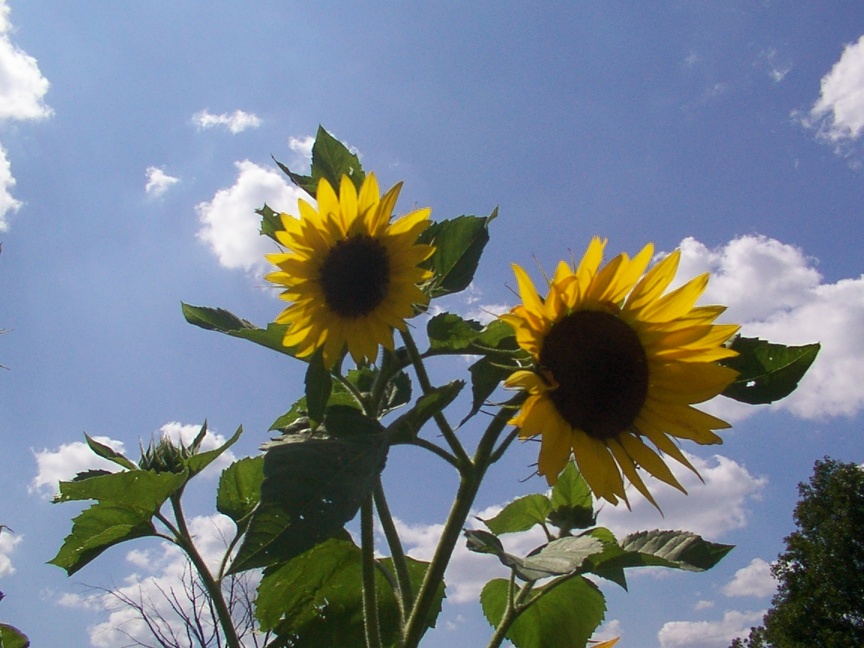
(331, 159)
(458, 245)
(572, 503)
(96, 529)
(240, 488)
(199, 461)
(562, 556)
(408, 426)
(449, 333)
(12, 637)
(675, 549)
(397, 393)
(566, 612)
(312, 486)
(315, 600)
(109, 453)
(319, 385)
(520, 514)
(139, 489)
(486, 374)
(768, 372)
(271, 222)
(219, 319)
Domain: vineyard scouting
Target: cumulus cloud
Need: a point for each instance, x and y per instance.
(22, 94)
(708, 634)
(302, 145)
(839, 111)
(775, 291)
(712, 508)
(236, 122)
(158, 182)
(8, 542)
(230, 225)
(67, 460)
(753, 580)
(158, 573)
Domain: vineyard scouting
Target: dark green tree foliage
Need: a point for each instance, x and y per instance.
(820, 600)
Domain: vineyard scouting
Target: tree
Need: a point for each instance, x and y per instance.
(820, 598)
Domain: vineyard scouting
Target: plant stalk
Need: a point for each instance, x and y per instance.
(371, 622)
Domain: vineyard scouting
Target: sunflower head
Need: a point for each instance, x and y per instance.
(352, 274)
(618, 362)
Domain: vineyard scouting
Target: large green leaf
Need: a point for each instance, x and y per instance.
(572, 502)
(458, 245)
(240, 487)
(520, 514)
(562, 556)
(12, 637)
(767, 371)
(331, 159)
(223, 321)
(674, 549)
(109, 453)
(566, 612)
(96, 529)
(139, 489)
(315, 600)
(312, 486)
(408, 425)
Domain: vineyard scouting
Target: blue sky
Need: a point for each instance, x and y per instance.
(136, 140)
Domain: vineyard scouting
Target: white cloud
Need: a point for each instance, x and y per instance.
(158, 572)
(776, 293)
(753, 580)
(64, 462)
(158, 182)
(839, 111)
(711, 509)
(708, 634)
(303, 146)
(22, 93)
(703, 605)
(67, 460)
(8, 542)
(236, 122)
(230, 225)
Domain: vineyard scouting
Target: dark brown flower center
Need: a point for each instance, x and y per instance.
(601, 370)
(355, 276)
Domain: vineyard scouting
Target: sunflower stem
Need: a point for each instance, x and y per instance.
(426, 386)
(370, 599)
(434, 449)
(471, 476)
(511, 612)
(397, 553)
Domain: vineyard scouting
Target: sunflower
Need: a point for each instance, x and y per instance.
(617, 363)
(350, 273)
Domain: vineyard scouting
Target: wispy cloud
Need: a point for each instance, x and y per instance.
(158, 182)
(236, 122)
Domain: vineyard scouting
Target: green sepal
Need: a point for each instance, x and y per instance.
(200, 460)
(331, 159)
(406, 428)
(520, 515)
(12, 637)
(223, 321)
(458, 245)
(767, 371)
(564, 612)
(239, 488)
(313, 484)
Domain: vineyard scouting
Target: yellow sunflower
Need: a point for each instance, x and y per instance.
(616, 363)
(350, 273)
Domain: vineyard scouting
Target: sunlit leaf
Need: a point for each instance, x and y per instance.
(768, 372)
(240, 487)
(458, 245)
(109, 453)
(520, 514)
(12, 637)
(673, 549)
(271, 221)
(219, 319)
(331, 159)
(565, 612)
(200, 460)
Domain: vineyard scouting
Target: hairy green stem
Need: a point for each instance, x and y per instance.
(426, 386)
(211, 585)
(511, 612)
(397, 553)
(370, 600)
